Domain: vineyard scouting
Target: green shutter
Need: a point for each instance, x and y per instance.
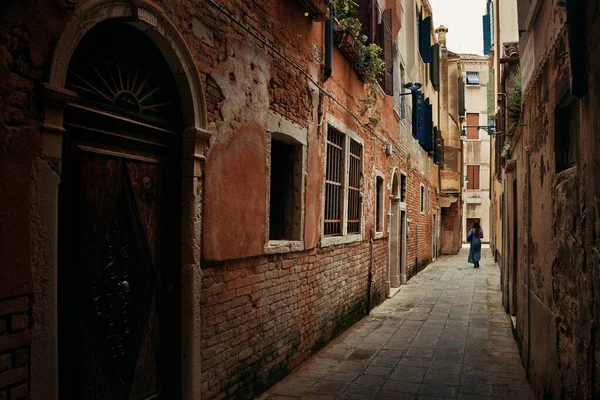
(434, 67)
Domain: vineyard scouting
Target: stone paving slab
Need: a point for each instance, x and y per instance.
(444, 335)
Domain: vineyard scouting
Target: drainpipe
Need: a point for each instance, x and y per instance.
(328, 45)
(417, 249)
(528, 258)
(370, 275)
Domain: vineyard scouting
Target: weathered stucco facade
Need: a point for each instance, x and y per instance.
(476, 152)
(451, 182)
(550, 183)
(250, 306)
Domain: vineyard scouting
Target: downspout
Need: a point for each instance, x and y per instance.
(528, 258)
(370, 275)
(329, 45)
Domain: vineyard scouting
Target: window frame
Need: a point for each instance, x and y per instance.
(472, 84)
(282, 129)
(344, 237)
(479, 177)
(422, 199)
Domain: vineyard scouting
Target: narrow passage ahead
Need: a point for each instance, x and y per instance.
(443, 335)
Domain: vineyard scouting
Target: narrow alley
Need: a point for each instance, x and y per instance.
(443, 335)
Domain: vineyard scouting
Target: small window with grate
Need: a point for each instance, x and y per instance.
(334, 182)
(422, 199)
(354, 180)
(472, 78)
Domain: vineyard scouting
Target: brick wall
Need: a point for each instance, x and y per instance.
(264, 316)
(14, 348)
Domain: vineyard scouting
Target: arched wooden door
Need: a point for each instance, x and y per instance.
(119, 221)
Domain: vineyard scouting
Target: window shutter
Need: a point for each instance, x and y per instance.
(470, 178)
(388, 77)
(425, 39)
(429, 131)
(425, 131)
(461, 97)
(434, 67)
(419, 122)
(476, 176)
(366, 17)
(487, 39)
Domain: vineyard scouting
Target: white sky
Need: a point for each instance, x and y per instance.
(463, 20)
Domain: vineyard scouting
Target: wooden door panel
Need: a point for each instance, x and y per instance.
(118, 275)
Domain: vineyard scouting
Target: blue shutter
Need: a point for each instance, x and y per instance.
(425, 138)
(487, 36)
(434, 67)
(419, 121)
(425, 39)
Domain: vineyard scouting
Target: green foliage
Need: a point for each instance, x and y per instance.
(513, 101)
(506, 151)
(345, 11)
(370, 59)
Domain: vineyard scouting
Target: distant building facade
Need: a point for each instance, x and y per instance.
(476, 144)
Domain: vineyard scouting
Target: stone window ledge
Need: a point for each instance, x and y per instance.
(283, 246)
(336, 240)
(378, 235)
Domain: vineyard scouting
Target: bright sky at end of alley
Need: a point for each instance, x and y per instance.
(463, 20)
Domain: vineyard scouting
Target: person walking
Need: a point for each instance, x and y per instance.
(474, 236)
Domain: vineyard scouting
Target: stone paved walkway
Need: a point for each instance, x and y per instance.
(443, 335)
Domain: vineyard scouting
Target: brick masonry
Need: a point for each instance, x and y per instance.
(262, 317)
(14, 348)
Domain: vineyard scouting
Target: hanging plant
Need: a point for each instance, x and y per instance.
(513, 101)
(506, 151)
(370, 67)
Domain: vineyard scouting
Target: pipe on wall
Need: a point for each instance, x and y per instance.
(528, 258)
(329, 46)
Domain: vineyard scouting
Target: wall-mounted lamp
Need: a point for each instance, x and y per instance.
(413, 87)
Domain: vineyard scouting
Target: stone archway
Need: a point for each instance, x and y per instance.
(46, 170)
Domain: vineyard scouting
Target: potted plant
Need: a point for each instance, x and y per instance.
(318, 9)
(369, 64)
(348, 29)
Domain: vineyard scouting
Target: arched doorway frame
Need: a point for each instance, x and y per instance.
(152, 20)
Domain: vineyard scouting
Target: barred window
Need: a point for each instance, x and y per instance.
(343, 181)
(354, 199)
(334, 178)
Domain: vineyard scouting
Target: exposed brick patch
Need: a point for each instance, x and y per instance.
(18, 323)
(19, 392)
(13, 306)
(14, 348)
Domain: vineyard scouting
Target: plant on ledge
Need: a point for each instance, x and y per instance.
(370, 67)
(348, 37)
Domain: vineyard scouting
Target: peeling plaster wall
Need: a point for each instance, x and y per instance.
(556, 314)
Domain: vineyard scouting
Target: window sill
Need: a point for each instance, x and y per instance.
(378, 235)
(283, 246)
(336, 240)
